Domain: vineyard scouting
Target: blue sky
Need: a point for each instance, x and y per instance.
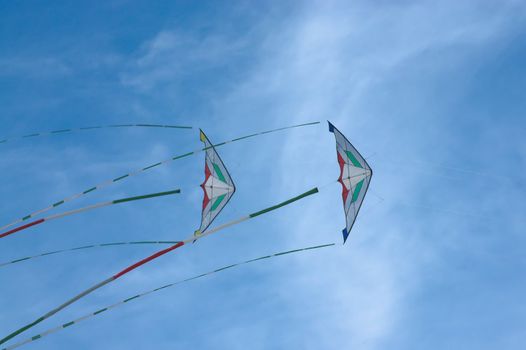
(431, 92)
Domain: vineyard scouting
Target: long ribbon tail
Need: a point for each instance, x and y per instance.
(87, 128)
(143, 294)
(155, 256)
(90, 246)
(91, 207)
(141, 170)
(89, 291)
(84, 247)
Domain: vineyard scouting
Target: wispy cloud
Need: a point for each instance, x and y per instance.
(172, 57)
(396, 79)
(330, 62)
(33, 68)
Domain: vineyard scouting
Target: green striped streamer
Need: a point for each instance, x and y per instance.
(90, 207)
(170, 285)
(141, 170)
(282, 204)
(253, 215)
(193, 238)
(85, 247)
(88, 128)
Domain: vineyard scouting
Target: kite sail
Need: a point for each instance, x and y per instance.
(355, 176)
(218, 186)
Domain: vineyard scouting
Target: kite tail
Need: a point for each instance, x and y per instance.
(99, 245)
(156, 255)
(143, 294)
(91, 207)
(89, 291)
(21, 228)
(67, 131)
(139, 171)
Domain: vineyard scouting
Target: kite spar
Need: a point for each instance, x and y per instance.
(141, 170)
(213, 157)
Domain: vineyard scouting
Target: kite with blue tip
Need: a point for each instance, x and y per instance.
(355, 176)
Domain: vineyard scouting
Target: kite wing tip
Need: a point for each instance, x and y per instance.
(331, 127)
(197, 233)
(345, 235)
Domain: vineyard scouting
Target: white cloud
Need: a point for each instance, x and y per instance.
(321, 65)
(170, 57)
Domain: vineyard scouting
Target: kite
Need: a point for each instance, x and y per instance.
(86, 128)
(355, 176)
(218, 186)
(90, 207)
(143, 294)
(194, 237)
(141, 170)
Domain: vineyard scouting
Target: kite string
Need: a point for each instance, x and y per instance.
(143, 294)
(324, 186)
